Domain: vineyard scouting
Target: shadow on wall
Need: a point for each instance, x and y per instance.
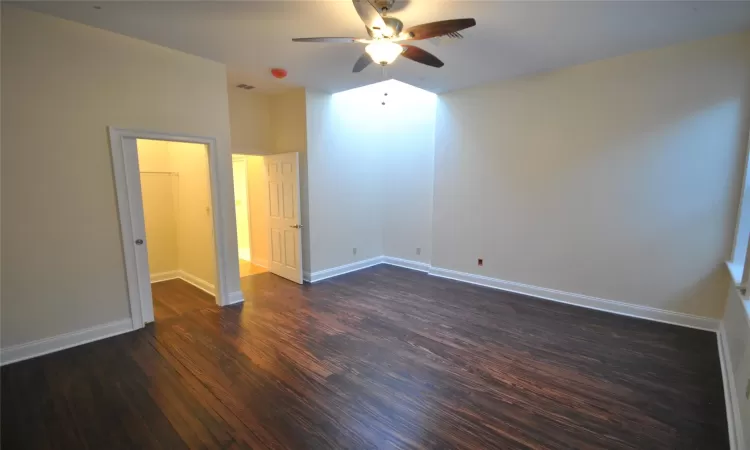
(370, 168)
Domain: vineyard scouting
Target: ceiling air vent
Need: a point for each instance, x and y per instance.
(246, 87)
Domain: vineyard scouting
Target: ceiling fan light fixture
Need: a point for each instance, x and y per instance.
(384, 52)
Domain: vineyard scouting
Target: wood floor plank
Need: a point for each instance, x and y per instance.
(381, 358)
(175, 297)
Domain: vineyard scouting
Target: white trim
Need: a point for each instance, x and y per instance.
(200, 283)
(340, 270)
(735, 254)
(164, 276)
(731, 399)
(130, 212)
(586, 301)
(132, 277)
(735, 271)
(260, 262)
(41, 347)
(407, 264)
(236, 297)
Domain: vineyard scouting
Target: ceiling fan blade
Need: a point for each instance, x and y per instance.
(369, 15)
(362, 62)
(435, 29)
(421, 56)
(332, 40)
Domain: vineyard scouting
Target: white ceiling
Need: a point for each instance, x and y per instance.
(510, 39)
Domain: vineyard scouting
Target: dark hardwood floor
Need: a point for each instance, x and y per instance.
(173, 298)
(380, 358)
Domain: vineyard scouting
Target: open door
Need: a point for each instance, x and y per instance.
(285, 227)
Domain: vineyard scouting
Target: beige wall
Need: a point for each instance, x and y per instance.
(617, 179)
(250, 121)
(264, 124)
(241, 206)
(153, 156)
(160, 215)
(258, 193)
(288, 121)
(63, 84)
(159, 191)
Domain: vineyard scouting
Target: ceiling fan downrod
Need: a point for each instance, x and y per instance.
(383, 5)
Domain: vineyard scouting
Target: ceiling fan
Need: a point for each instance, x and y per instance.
(387, 32)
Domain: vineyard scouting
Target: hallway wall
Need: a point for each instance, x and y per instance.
(194, 212)
(258, 190)
(159, 191)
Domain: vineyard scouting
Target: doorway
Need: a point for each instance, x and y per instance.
(176, 198)
(267, 193)
(211, 275)
(251, 211)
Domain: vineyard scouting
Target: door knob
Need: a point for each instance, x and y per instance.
(138, 241)
(295, 226)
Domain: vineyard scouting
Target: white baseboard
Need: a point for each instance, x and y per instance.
(731, 398)
(408, 264)
(186, 276)
(197, 282)
(41, 347)
(235, 297)
(164, 276)
(340, 270)
(586, 301)
(260, 262)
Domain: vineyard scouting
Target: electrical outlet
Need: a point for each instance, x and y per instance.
(419, 251)
(480, 262)
(354, 251)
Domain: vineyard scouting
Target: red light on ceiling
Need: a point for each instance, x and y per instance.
(278, 73)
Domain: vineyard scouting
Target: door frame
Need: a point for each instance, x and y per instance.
(132, 225)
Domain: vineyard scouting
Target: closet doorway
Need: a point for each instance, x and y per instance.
(207, 272)
(176, 195)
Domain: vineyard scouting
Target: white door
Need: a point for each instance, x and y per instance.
(285, 227)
